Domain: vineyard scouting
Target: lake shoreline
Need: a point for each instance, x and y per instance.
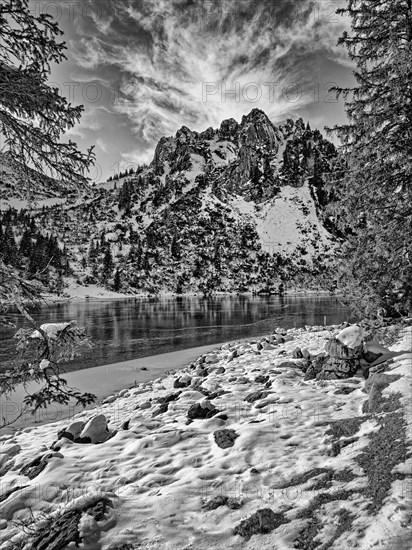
(100, 381)
(112, 296)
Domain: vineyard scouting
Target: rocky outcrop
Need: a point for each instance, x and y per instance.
(67, 529)
(36, 466)
(262, 521)
(206, 409)
(222, 500)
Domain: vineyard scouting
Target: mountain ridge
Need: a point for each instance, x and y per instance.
(237, 208)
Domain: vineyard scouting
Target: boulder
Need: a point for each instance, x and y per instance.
(261, 379)
(222, 500)
(182, 382)
(334, 368)
(201, 372)
(205, 409)
(72, 431)
(225, 438)
(96, 429)
(351, 336)
(170, 397)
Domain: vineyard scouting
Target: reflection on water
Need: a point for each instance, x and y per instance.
(126, 329)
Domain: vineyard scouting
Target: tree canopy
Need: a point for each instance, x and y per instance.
(374, 204)
(33, 118)
(33, 115)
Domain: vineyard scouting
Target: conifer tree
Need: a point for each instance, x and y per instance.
(33, 117)
(1, 240)
(25, 243)
(33, 114)
(117, 282)
(91, 252)
(59, 282)
(175, 247)
(9, 246)
(107, 263)
(375, 196)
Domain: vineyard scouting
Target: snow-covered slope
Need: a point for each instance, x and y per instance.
(327, 474)
(19, 183)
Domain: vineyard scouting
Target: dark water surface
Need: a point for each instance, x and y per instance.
(127, 329)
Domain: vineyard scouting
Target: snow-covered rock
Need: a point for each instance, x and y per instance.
(96, 429)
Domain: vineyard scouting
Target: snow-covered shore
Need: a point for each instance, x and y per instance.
(302, 449)
(102, 381)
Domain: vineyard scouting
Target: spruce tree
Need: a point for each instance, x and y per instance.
(117, 282)
(92, 252)
(33, 115)
(1, 240)
(107, 264)
(25, 243)
(9, 246)
(375, 197)
(175, 247)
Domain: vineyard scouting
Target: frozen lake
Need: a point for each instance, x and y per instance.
(127, 329)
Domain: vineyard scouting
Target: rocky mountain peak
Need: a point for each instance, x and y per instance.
(254, 158)
(229, 130)
(258, 130)
(255, 115)
(184, 134)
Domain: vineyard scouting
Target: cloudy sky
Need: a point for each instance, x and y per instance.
(144, 68)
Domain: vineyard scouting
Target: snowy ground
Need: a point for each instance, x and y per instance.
(161, 471)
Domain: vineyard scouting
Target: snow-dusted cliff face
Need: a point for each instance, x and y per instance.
(231, 209)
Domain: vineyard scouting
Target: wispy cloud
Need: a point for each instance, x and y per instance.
(100, 143)
(196, 62)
